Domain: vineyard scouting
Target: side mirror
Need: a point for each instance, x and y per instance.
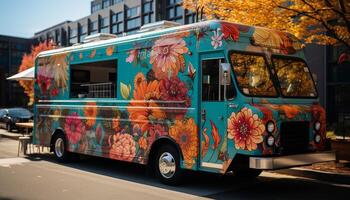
(225, 73)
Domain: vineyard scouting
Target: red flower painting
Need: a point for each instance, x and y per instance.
(174, 91)
(74, 128)
(230, 31)
(246, 129)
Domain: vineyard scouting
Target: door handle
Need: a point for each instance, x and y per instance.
(204, 115)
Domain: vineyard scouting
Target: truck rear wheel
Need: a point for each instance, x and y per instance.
(59, 148)
(167, 165)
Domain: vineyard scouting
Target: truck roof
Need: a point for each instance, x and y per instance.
(137, 36)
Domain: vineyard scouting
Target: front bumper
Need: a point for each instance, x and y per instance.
(290, 161)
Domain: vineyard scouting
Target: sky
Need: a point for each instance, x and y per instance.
(22, 18)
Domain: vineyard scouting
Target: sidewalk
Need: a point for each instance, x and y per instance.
(5, 134)
(326, 176)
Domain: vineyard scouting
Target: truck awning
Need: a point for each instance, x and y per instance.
(27, 74)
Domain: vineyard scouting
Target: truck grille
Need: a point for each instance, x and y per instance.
(294, 137)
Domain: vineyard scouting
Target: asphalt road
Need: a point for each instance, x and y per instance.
(41, 177)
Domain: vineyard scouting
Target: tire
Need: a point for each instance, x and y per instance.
(60, 148)
(167, 165)
(8, 128)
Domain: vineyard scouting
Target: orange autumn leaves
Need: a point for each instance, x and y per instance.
(28, 62)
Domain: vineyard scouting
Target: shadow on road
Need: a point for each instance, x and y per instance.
(208, 184)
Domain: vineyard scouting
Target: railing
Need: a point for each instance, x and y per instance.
(100, 90)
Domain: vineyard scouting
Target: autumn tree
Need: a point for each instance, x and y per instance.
(28, 62)
(312, 21)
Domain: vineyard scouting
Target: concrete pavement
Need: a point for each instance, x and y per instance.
(5, 134)
(41, 177)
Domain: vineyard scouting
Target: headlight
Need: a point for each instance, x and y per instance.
(317, 138)
(317, 126)
(270, 127)
(270, 140)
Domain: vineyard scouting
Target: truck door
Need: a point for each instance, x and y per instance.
(213, 111)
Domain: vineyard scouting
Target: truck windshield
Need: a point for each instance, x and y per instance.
(294, 77)
(253, 75)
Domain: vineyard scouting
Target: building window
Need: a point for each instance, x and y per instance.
(148, 18)
(95, 7)
(117, 17)
(179, 11)
(117, 1)
(57, 36)
(72, 32)
(174, 10)
(133, 23)
(104, 21)
(82, 29)
(190, 17)
(94, 80)
(105, 3)
(133, 12)
(104, 30)
(147, 7)
(148, 12)
(171, 13)
(73, 36)
(82, 32)
(82, 37)
(93, 27)
(73, 40)
(117, 28)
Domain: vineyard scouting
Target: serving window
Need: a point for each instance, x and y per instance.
(93, 80)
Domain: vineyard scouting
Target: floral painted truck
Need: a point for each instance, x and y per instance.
(212, 96)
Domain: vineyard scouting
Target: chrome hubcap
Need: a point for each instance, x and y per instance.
(167, 165)
(59, 147)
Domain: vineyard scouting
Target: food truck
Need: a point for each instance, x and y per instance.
(211, 96)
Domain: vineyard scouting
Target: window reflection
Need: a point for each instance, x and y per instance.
(294, 77)
(252, 75)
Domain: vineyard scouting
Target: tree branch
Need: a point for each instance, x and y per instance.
(322, 21)
(340, 13)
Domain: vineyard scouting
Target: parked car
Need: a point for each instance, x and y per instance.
(9, 117)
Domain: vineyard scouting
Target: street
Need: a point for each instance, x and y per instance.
(41, 177)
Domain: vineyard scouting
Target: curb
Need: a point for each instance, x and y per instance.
(339, 178)
(13, 137)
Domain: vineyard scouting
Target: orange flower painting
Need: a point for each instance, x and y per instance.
(167, 56)
(90, 112)
(109, 50)
(122, 147)
(139, 78)
(184, 132)
(143, 143)
(143, 108)
(246, 129)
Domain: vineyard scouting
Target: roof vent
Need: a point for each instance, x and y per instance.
(98, 37)
(158, 25)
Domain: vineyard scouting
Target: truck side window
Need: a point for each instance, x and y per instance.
(93, 80)
(211, 90)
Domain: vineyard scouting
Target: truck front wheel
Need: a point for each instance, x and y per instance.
(167, 165)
